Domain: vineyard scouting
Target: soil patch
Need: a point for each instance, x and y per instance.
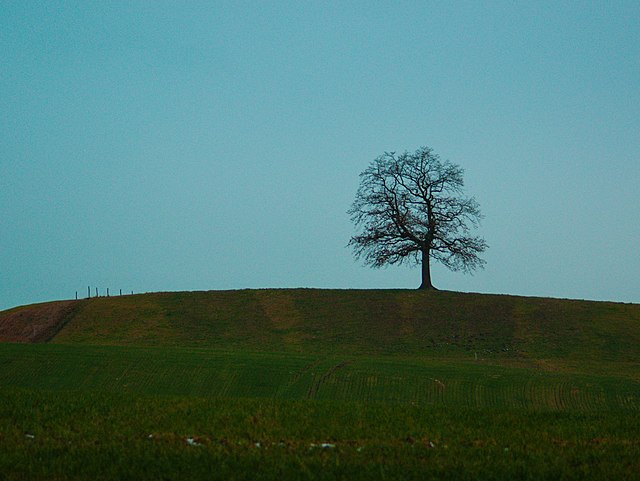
(36, 323)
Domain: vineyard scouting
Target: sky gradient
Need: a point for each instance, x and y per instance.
(161, 146)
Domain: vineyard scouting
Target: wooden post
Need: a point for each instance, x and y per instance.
(120, 291)
(97, 292)
(88, 292)
(76, 295)
(107, 292)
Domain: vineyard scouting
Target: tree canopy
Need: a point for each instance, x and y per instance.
(411, 208)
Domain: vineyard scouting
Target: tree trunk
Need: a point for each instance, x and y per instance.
(426, 271)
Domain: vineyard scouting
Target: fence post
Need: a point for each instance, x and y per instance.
(88, 292)
(107, 292)
(97, 292)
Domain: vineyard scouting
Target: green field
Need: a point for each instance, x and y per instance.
(321, 384)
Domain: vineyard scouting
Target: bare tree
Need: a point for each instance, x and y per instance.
(411, 208)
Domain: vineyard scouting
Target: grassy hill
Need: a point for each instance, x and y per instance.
(320, 384)
(521, 330)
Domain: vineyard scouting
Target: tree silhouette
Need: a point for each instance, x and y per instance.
(411, 208)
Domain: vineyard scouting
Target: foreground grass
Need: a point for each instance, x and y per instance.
(71, 412)
(86, 435)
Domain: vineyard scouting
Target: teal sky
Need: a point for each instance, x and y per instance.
(156, 146)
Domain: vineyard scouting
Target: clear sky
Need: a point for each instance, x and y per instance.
(160, 146)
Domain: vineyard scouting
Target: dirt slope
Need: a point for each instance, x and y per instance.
(36, 323)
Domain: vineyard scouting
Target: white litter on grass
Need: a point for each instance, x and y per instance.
(30, 436)
(150, 436)
(323, 445)
(360, 449)
(257, 445)
(438, 382)
(193, 442)
(431, 444)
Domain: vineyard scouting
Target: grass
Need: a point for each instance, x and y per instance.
(367, 322)
(236, 373)
(83, 435)
(321, 384)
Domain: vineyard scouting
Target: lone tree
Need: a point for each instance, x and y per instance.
(411, 208)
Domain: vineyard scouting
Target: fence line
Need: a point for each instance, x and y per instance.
(98, 293)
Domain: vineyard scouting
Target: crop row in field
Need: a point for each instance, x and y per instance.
(202, 372)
